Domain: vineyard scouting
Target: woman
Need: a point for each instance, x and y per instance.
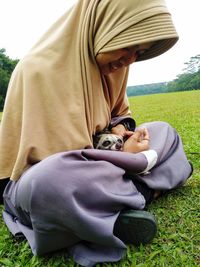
(70, 86)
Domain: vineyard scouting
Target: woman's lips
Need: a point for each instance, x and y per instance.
(115, 66)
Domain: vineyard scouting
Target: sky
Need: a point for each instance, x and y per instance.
(22, 22)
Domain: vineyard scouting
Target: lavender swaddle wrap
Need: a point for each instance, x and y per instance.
(72, 199)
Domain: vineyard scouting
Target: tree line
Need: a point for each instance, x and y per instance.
(147, 89)
(188, 80)
(7, 66)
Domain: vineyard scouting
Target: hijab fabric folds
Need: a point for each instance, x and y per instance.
(57, 98)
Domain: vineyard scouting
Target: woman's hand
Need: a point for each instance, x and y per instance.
(121, 131)
(137, 142)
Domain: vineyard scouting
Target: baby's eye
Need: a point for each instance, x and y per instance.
(106, 143)
(119, 141)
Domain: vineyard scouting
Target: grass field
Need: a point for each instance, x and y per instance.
(177, 243)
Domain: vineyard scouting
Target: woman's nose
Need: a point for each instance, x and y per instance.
(131, 59)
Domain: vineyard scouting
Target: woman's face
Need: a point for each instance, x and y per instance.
(110, 62)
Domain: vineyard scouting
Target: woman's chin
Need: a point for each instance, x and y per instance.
(109, 71)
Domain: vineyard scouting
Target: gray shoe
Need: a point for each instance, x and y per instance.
(135, 227)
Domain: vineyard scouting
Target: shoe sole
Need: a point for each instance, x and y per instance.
(135, 227)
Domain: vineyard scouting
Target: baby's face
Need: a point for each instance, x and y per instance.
(110, 142)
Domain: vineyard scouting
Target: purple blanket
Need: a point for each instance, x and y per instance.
(72, 199)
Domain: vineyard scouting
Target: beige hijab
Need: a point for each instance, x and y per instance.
(57, 98)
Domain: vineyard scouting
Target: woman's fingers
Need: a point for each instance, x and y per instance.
(141, 135)
(137, 135)
(128, 133)
(138, 141)
(145, 134)
(120, 130)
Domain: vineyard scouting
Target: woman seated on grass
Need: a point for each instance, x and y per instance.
(71, 85)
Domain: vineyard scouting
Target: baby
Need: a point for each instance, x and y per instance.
(139, 140)
(106, 140)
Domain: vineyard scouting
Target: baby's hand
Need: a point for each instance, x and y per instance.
(137, 142)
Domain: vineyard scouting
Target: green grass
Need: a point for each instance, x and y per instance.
(177, 242)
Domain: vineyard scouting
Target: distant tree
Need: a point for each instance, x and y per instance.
(189, 79)
(181, 83)
(193, 65)
(7, 66)
(195, 81)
